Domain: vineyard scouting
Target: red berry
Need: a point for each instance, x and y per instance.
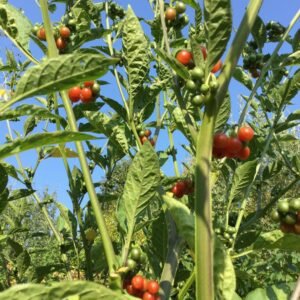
(170, 14)
(245, 134)
(217, 66)
(220, 141)
(74, 93)
(147, 132)
(234, 145)
(131, 290)
(65, 32)
(86, 95)
(89, 83)
(145, 285)
(152, 142)
(148, 296)
(218, 153)
(153, 287)
(177, 192)
(184, 57)
(61, 43)
(143, 139)
(244, 153)
(286, 228)
(41, 34)
(137, 282)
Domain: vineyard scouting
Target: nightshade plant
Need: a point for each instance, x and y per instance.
(177, 79)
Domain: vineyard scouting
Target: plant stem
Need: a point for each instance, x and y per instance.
(203, 221)
(107, 244)
(186, 286)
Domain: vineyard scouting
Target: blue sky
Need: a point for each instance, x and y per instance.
(51, 173)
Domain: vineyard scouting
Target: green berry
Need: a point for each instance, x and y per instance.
(180, 7)
(295, 204)
(191, 85)
(275, 216)
(204, 88)
(131, 264)
(283, 206)
(290, 219)
(214, 85)
(135, 254)
(198, 100)
(197, 73)
(96, 89)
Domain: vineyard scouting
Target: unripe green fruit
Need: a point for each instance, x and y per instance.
(180, 7)
(191, 85)
(197, 73)
(204, 88)
(96, 89)
(290, 219)
(214, 85)
(275, 216)
(283, 207)
(198, 100)
(295, 204)
(135, 254)
(131, 264)
(90, 234)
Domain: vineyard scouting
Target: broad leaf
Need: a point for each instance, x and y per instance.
(83, 290)
(277, 240)
(141, 183)
(183, 219)
(224, 274)
(15, 24)
(259, 32)
(289, 89)
(281, 291)
(243, 176)
(241, 76)
(136, 52)
(3, 178)
(41, 139)
(191, 3)
(218, 23)
(19, 194)
(60, 73)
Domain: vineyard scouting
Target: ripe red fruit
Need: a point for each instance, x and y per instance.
(86, 95)
(204, 52)
(152, 142)
(255, 73)
(170, 14)
(286, 228)
(218, 153)
(244, 153)
(65, 32)
(234, 146)
(220, 141)
(41, 34)
(147, 132)
(137, 282)
(184, 57)
(89, 83)
(153, 287)
(148, 296)
(143, 139)
(217, 66)
(131, 290)
(74, 93)
(61, 43)
(245, 134)
(297, 228)
(177, 191)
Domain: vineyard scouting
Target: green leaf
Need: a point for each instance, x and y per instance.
(277, 240)
(82, 290)
(69, 218)
(136, 52)
(296, 41)
(60, 73)
(178, 68)
(183, 219)
(3, 178)
(141, 183)
(218, 24)
(224, 274)
(259, 32)
(243, 176)
(289, 89)
(292, 60)
(241, 76)
(223, 114)
(281, 291)
(15, 24)
(293, 116)
(41, 139)
(23, 262)
(19, 194)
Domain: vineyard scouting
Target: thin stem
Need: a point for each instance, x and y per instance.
(186, 286)
(107, 244)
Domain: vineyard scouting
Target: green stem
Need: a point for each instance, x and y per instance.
(203, 220)
(186, 286)
(107, 244)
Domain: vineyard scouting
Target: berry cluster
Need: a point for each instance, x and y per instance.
(61, 34)
(175, 16)
(183, 187)
(274, 31)
(136, 258)
(253, 60)
(145, 136)
(288, 214)
(195, 84)
(87, 93)
(234, 146)
(142, 288)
